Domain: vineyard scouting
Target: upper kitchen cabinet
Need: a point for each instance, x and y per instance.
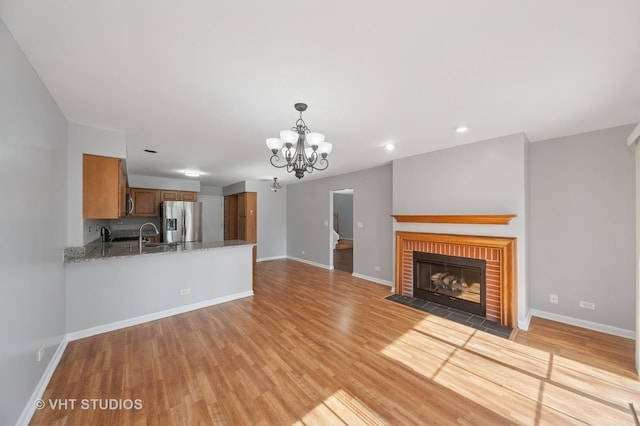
(146, 202)
(168, 195)
(188, 196)
(104, 183)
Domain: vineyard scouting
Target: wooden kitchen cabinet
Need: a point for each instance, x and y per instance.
(104, 186)
(231, 217)
(170, 195)
(240, 219)
(240, 213)
(146, 202)
(247, 219)
(188, 196)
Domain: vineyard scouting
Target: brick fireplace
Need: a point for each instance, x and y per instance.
(499, 253)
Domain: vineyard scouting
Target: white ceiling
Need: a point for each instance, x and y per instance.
(204, 82)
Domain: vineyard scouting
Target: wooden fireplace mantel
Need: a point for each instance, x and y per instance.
(474, 219)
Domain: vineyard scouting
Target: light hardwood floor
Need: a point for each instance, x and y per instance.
(321, 347)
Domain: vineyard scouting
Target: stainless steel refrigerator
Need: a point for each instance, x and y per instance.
(181, 221)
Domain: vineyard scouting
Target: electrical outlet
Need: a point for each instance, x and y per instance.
(185, 291)
(302, 251)
(588, 305)
(41, 353)
(377, 268)
(553, 298)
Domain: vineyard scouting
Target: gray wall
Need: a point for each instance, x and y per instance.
(309, 215)
(343, 205)
(211, 190)
(272, 220)
(582, 226)
(486, 177)
(155, 182)
(234, 188)
(33, 152)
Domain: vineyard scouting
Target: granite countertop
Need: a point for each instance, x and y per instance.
(98, 251)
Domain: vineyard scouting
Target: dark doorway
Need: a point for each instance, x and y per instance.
(342, 232)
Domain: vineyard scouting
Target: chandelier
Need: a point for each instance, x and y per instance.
(302, 149)
(275, 185)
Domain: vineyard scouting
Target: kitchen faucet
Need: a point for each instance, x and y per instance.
(140, 236)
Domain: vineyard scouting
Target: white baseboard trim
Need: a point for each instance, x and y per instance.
(364, 277)
(524, 325)
(30, 408)
(590, 325)
(271, 258)
(81, 334)
(373, 279)
(308, 262)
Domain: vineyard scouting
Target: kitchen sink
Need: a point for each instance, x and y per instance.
(123, 239)
(152, 244)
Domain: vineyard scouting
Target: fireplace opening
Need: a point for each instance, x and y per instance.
(458, 282)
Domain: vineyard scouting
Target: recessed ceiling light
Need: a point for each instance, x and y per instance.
(150, 151)
(192, 173)
(461, 129)
(389, 147)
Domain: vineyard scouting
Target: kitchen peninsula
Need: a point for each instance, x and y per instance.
(116, 285)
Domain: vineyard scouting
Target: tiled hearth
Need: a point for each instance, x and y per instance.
(498, 252)
(454, 315)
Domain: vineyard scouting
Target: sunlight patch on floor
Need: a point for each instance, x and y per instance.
(515, 381)
(340, 407)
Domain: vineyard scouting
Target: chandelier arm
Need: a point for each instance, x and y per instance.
(322, 161)
(313, 158)
(277, 159)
